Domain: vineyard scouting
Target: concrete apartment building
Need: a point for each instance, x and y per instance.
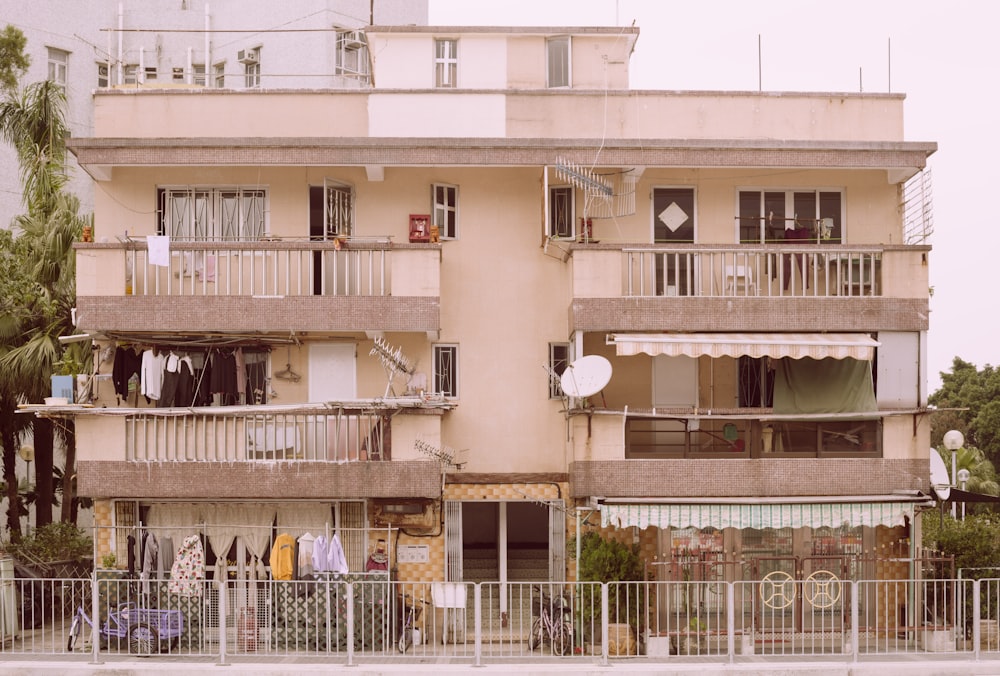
(490, 292)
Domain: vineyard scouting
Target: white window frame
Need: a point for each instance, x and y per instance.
(251, 75)
(103, 75)
(446, 62)
(558, 61)
(446, 370)
(559, 359)
(219, 75)
(58, 68)
(352, 55)
(205, 213)
(562, 212)
(444, 209)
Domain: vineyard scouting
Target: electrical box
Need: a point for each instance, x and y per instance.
(413, 554)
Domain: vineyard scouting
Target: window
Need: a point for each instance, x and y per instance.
(561, 205)
(213, 214)
(178, 75)
(558, 361)
(768, 215)
(58, 65)
(352, 54)
(331, 210)
(219, 75)
(557, 57)
(130, 73)
(149, 74)
(446, 370)
(198, 72)
(444, 209)
(446, 63)
(251, 72)
(103, 81)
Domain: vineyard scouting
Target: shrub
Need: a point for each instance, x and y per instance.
(53, 542)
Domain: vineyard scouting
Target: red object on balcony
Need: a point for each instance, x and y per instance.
(420, 228)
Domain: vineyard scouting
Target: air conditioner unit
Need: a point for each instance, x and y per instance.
(354, 40)
(247, 56)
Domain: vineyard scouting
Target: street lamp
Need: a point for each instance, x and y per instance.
(953, 440)
(963, 476)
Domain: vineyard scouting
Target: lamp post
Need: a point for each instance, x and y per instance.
(963, 476)
(954, 440)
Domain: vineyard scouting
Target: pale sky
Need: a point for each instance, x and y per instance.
(943, 55)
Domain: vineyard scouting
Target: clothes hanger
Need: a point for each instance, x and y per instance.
(287, 373)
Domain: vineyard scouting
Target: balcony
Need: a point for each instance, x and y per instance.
(264, 285)
(690, 287)
(354, 449)
(749, 453)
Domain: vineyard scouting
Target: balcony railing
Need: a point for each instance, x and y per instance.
(260, 269)
(343, 435)
(786, 270)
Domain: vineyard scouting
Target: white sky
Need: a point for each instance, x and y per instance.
(943, 54)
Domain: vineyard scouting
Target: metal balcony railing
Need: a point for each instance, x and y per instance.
(343, 435)
(774, 271)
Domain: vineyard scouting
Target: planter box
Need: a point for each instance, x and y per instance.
(937, 640)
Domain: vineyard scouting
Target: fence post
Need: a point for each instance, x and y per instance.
(223, 601)
(855, 618)
(95, 609)
(477, 608)
(976, 610)
(350, 623)
(731, 621)
(604, 623)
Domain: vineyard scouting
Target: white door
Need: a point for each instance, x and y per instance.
(332, 372)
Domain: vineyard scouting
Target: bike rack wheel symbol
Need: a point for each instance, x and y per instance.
(777, 590)
(822, 589)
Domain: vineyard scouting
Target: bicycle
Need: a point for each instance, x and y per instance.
(411, 613)
(551, 623)
(145, 630)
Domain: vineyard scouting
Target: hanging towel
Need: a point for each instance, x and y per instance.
(159, 250)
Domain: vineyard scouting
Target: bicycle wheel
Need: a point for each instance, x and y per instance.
(74, 631)
(405, 639)
(562, 638)
(142, 640)
(537, 634)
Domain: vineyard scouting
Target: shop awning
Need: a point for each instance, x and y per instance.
(956, 495)
(794, 345)
(763, 515)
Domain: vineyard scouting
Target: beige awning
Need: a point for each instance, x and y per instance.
(894, 511)
(793, 345)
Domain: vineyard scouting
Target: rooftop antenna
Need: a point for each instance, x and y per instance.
(393, 361)
(447, 456)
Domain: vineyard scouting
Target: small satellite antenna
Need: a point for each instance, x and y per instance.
(939, 476)
(447, 456)
(586, 376)
(393, 361)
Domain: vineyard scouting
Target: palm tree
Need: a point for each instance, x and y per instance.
(982, 474)
(34, 124)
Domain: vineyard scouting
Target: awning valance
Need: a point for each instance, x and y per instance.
(813, 515)
(794, 345)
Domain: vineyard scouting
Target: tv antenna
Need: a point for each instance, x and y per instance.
(447, 456)
(393, 361)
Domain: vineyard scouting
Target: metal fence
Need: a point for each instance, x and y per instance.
(344, 618)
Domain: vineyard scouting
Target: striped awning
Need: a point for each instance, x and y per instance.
(729, 515)
(794, 345)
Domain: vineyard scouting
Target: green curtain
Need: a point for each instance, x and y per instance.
(823, 386)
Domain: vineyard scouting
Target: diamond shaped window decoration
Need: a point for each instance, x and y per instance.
(673, 217)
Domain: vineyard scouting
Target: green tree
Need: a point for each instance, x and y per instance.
(33, 122)
(974, 396)
(14, 61)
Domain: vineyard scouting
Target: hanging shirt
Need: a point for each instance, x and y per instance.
(283, 557)
(319, 554)
(151, 374)
(188, 572)
(306, 544)
(336, 561)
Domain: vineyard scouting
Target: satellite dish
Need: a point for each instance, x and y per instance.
(939, 476)
(586, 376)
